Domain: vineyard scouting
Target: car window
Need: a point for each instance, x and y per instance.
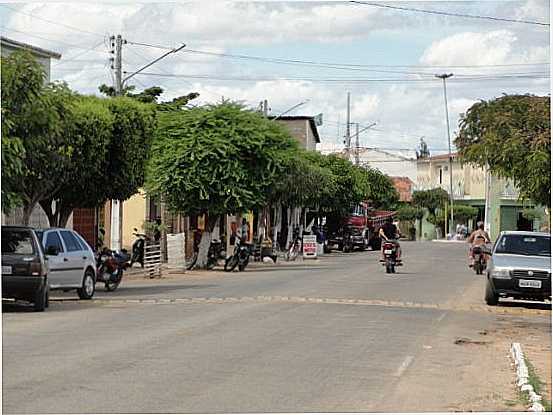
(84, 245)
(537, 245)
(53, 239)
(17, 242)
(70, 241)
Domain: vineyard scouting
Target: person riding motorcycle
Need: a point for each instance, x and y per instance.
(477, 238)
(389, 232)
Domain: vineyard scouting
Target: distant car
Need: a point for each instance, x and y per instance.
(520, 267)
(24, 267)
(71, 261)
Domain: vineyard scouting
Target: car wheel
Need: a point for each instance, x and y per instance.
(41, 298)
(491, 297)
(86, 292)
(47, 304)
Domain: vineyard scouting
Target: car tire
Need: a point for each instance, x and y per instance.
(41, 298)
(491, 297)
(86, 292)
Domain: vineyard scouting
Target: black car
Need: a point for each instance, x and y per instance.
(24, 267)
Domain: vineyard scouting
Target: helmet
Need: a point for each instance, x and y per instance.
(480, 225)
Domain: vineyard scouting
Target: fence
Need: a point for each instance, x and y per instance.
(152, 260)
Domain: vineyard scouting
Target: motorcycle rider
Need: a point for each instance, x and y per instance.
(477, 238)
(389, 232)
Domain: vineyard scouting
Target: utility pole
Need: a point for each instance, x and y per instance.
(117, 42)
(357, 144)
(443, 77)
(348, 122)
(265, 108)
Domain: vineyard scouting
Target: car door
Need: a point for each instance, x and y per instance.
(76, 259)
(57, 264)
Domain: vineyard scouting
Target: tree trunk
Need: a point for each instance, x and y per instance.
(64, 213)
(27, 211)
(205, 242)
(46, 206)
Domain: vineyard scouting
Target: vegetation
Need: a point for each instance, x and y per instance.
(382, 193)
(511, 135)
(463, 213)
(432, 199)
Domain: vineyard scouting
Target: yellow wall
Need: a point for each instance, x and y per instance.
(134, 214)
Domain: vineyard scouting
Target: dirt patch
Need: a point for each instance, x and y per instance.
(465, 341)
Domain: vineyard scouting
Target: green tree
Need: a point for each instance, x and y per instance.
(382, 193)
(463, 213)
(511, 135)
(149, 96)
(35, 116)
(83, 184)
(215, 160)
(22, 82)
(430, 199)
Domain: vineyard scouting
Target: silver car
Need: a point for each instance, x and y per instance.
(520, 267)
(71, 261)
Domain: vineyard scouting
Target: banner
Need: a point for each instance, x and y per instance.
(309, 246)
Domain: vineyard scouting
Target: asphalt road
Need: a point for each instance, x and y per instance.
(332, 335)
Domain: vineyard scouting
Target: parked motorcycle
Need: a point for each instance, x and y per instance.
(240, 256)
(295, 245)
(138, 248)
(390, 257)
(110, 265)
(214, 254)
(480, 260)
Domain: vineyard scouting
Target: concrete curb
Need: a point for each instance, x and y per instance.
(522, 379)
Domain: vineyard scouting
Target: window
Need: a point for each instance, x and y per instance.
(17, 242)
(524, 245)
(53, 239)
(84, 245)
(440, 175)
(70, 241)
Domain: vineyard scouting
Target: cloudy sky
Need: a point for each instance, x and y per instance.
(313, 52)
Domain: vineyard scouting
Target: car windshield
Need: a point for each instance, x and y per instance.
(17, 242)
(537, 245)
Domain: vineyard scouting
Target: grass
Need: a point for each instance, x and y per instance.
(537, 384)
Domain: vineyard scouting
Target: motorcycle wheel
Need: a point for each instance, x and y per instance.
(231, 263)
(112, 285)
(191, 261)
(211, 262)
(388, 268)
(295, 250)
(242, 266)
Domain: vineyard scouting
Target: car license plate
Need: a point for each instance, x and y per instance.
(6, 269)
(388, 251)
(529, 283)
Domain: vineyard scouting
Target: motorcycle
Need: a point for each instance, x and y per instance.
(138, 248)
(390, 257)
(295, 246)
(214, 254)
(240, 256)
(480, 260)
(110, 265)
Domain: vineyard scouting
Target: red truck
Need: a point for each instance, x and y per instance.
(359, 229)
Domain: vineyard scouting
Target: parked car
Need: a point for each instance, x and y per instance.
(520, 267)
(71, 261)
(24, 266)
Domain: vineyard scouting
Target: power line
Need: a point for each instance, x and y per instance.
(73, 59)
(49, 40)
(346, 80)
(336, 65)
(470, 16)
(52, 22)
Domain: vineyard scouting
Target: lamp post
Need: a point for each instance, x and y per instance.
(443, 77)
(291, 109)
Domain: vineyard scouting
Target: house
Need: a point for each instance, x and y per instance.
(472, 186)
(43, 56)
(303, 128)
(404, 186)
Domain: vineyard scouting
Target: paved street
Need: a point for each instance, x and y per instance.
(332, 335)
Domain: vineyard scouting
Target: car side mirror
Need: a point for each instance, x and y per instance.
(52, 250)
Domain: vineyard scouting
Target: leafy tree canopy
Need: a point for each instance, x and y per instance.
(512, 135)
(150, 96)
(464, 212)
(430, 199)
(216, 159)
(410, 213)
(382, 193)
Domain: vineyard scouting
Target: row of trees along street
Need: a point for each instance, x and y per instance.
(80, 151)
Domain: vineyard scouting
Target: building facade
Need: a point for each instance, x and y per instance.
(496, 199)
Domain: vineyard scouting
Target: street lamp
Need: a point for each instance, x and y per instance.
(443, 77)
(291, 109)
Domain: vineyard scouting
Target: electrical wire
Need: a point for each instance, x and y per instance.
(332, 64)
(52, 22)
(73, 59)
(470, 16)
(344, 80)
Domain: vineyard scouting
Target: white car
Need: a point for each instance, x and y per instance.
(71, 261)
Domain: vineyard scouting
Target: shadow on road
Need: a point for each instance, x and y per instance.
(525, 304)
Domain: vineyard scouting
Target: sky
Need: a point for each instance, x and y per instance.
(311, 52)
